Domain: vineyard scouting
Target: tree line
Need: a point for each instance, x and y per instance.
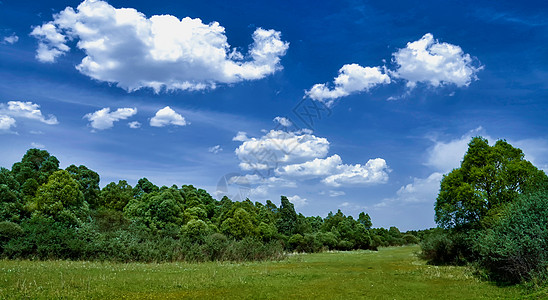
(492, 213)
(50, 213)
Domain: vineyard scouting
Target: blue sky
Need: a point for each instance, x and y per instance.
(351, 105)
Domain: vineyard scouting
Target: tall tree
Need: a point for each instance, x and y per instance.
(34, 170)
(490, 177)
(288, 217)
(89, 183)
(116, 196)
(61, 199)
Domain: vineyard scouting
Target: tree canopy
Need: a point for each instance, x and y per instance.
(489, 178)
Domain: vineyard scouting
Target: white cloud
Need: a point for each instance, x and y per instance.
(167, 116)
(283, 121)
(297, 201)
(241, 136)
(215, 149)
(301, 155)
(104, 119)
(313, 168)
(6, 122)
(373, 172)
(336, 193)
(37, 145)
(28, 110)
(134, 125)
(125, 47)
(445, 156)
(434, 63)
(352, 78)
(425, 60)
(279, 147)
(12, 39)
(535, 150)
(421, 189)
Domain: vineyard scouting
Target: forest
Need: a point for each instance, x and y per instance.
(491, 212)
(52, 213)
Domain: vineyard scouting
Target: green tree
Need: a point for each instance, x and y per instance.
(116, 196)
(288, 217)
(34, 170)
(61, 199)
(89, 183)
(365, 219)
(161, 210)
(490, 177)
(144, 186)
(11, 205)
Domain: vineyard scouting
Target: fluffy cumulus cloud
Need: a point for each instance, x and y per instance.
(434, 63)
(12, 39)
(301, 155)
(426, 60)
(278, 147)
(104, 118)
(167, 116)
(26, 110)
(313, 168)
(352, 78)
(125, 47)
(374, 171)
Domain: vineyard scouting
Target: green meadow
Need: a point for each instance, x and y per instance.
(391, 273)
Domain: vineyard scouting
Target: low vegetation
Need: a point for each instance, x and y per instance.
(390, 273)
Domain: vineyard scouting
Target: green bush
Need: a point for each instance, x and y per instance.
(444, 247)
(516, 249)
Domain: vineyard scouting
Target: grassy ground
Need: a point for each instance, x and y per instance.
(391, 273)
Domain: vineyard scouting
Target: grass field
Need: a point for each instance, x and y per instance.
(391, 273)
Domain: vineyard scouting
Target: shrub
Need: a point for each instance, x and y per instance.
(516, 249)
(445, 247)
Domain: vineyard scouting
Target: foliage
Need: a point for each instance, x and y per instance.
(494, 209)
(47, 213)
(116, 196)
(490, 177)
(516, 249)
(61, 199)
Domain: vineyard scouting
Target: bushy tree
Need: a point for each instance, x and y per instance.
(34, 170)
(158, 211)
(89, 183)
(516, 248)
(61, 199)
(490, 177)
(287, 217)
(116, 196)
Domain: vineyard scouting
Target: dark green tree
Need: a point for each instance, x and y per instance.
(89, 183)
(287, 217)
(365, 219)
(144, 186)
(116, 196)
(34, 170)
